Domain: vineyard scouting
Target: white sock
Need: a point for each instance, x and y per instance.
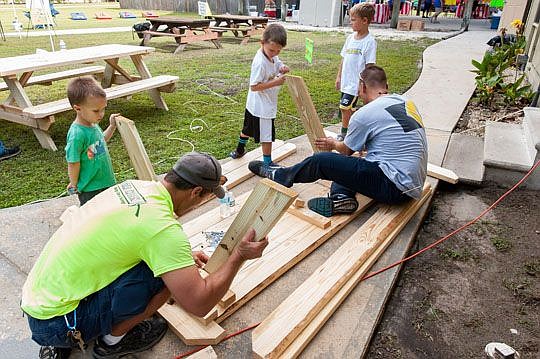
(111, 339)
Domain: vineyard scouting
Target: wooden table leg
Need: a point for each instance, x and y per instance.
(145, 74)
(108, 74)
(22, 80)
(116, 67)
(179, 49)
(217, 44)
(45, 139)
(22, 100)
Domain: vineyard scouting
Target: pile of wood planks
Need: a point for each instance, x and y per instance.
(292, 238)
(290, 327)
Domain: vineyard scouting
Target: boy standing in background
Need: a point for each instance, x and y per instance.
(359, 51)
(265, 81)
(89, 164)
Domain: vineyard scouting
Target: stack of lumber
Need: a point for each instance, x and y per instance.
(292, 238)
(290, 327)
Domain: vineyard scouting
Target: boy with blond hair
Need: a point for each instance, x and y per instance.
(358, 52)
(266, 78)
(89, 163)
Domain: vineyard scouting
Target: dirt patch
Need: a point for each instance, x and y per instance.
(472, 289)
(474, 117)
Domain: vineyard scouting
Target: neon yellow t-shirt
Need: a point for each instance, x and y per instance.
(100, 241)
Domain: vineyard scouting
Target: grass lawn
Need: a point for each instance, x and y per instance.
(211, 93)
(64, 22)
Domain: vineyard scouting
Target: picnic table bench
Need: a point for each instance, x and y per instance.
(17, 74)
(48, 79)
(184, 31)
(239, 24)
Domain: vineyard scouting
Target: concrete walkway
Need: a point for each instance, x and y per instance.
(441, 93)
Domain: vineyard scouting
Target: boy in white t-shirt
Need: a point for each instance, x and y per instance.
(359, 51)
(264, 84)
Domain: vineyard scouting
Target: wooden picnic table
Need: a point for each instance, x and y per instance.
(17, 73)
(246, 25)
(184, 31)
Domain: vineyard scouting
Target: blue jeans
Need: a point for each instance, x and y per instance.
(121, 300)
(349, 175)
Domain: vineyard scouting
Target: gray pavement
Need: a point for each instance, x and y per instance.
(441, 94)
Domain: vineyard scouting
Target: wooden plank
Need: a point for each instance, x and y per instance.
(51, 108)
(290, 318)
(304, 194)
(264, 207)
(310, 216)
(299, 203)
(442, 173)
(189, 328)
(47, 79)
(303, 339)
(308, 114)
(291, 241)
(205, 353)
(135, 148)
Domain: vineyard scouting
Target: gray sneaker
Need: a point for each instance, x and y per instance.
(262, 170)
(340, 137)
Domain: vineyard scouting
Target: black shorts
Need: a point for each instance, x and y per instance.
(261, 129)
(347, 101)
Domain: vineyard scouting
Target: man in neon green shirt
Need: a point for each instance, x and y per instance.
(118, 258)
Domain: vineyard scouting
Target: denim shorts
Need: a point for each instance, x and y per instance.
(124, 298)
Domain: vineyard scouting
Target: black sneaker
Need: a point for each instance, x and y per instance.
(262, 170)
(54, 353)
(9, 152)
(235, 154)
(142, 337)
(335, 204)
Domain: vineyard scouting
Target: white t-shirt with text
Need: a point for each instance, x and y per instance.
(263, 104)
(356, 55)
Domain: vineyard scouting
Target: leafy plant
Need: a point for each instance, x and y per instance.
(514, 93)
(490, 71)
(486, 88)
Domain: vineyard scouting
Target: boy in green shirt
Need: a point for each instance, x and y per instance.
(89, 163)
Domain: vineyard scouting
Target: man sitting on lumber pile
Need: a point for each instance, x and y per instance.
(116, 260)
(390, 129)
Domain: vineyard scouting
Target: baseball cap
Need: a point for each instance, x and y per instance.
(200, 169)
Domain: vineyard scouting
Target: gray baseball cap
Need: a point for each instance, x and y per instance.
(200, 169)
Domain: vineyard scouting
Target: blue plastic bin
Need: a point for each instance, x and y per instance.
(495, 20)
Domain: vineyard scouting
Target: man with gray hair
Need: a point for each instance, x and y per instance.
(117, 259)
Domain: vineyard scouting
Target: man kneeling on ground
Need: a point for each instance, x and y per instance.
(117, 259)
(390, 129)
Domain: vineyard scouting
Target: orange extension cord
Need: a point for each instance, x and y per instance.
(372, 274)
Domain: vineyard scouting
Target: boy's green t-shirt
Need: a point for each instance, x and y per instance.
(100, 241)
(87, 145)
